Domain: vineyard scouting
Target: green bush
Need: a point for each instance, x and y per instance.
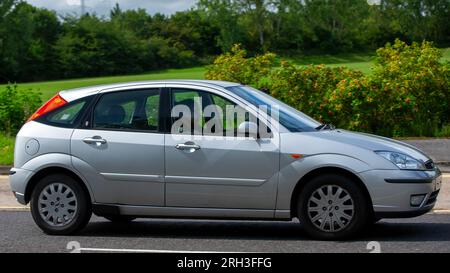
(16, 106)
(6, 150)
(408, 93)
(414, 88)
(307, 88)
(236, 67)
(355, 104)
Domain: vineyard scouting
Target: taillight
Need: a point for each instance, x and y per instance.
(55, 102)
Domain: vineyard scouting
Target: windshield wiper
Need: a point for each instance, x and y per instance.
(326, 126)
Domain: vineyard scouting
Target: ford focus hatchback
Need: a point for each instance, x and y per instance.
(209, 149)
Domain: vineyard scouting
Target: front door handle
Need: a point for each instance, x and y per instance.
(97, 140)
(188, 147)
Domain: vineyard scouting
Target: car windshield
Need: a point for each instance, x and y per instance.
(290, 118)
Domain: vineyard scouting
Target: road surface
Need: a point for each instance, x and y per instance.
(18, 233)
(428, 233)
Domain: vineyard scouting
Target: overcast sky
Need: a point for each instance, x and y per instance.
(102, 7)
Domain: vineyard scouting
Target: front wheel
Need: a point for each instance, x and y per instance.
(332, 207)
(59, 205)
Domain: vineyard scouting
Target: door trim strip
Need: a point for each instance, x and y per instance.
(214, 180)
(134, 177)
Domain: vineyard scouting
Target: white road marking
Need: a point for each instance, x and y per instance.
(151, 250)
(75, 247)
(446, 175)
(12, 208)
(441, 211)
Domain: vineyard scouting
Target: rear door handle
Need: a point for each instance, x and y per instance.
(188, 147)
(98, 140)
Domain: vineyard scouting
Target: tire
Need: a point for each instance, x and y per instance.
(65, 204)
(119, 218)
(336, 220)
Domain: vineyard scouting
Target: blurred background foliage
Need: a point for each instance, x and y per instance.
(37, 44)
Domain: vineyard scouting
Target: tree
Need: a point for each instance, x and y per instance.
(138, 21)
(288, 25)
(224, 15)
(5, 7)
(37, 45)
(410, 20)
(334, 25)
(92, 46)
(257, 9)
(192, 30)
(27, 38)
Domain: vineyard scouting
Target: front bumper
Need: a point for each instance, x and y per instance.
(18, 180)
(391, 191)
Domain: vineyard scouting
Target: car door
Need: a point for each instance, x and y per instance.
(121, 149)
(206, 171)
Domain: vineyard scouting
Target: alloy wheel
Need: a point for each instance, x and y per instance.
(331, 208)
(57, 204)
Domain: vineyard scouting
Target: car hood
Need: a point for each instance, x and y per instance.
(372, 142)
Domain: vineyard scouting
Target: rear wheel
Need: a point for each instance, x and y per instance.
(59, 205)
(332, 207)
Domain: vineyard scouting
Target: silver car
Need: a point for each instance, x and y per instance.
(165, 149)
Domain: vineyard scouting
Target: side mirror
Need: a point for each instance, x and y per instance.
(248, 128)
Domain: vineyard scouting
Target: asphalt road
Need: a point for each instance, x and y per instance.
(18, 233)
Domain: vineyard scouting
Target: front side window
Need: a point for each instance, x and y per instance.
(129, 110)
(203, 113)
(290, 118)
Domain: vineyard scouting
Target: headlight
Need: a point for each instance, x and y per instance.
(402, 161)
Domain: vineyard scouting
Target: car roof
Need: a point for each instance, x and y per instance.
(73, 94)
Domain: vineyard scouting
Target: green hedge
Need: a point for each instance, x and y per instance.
(6, 150)
(407, 93)
(16, 106)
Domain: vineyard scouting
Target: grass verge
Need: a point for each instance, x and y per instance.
(6, 150)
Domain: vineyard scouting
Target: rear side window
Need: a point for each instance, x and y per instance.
(68, 115)
(129, 110)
